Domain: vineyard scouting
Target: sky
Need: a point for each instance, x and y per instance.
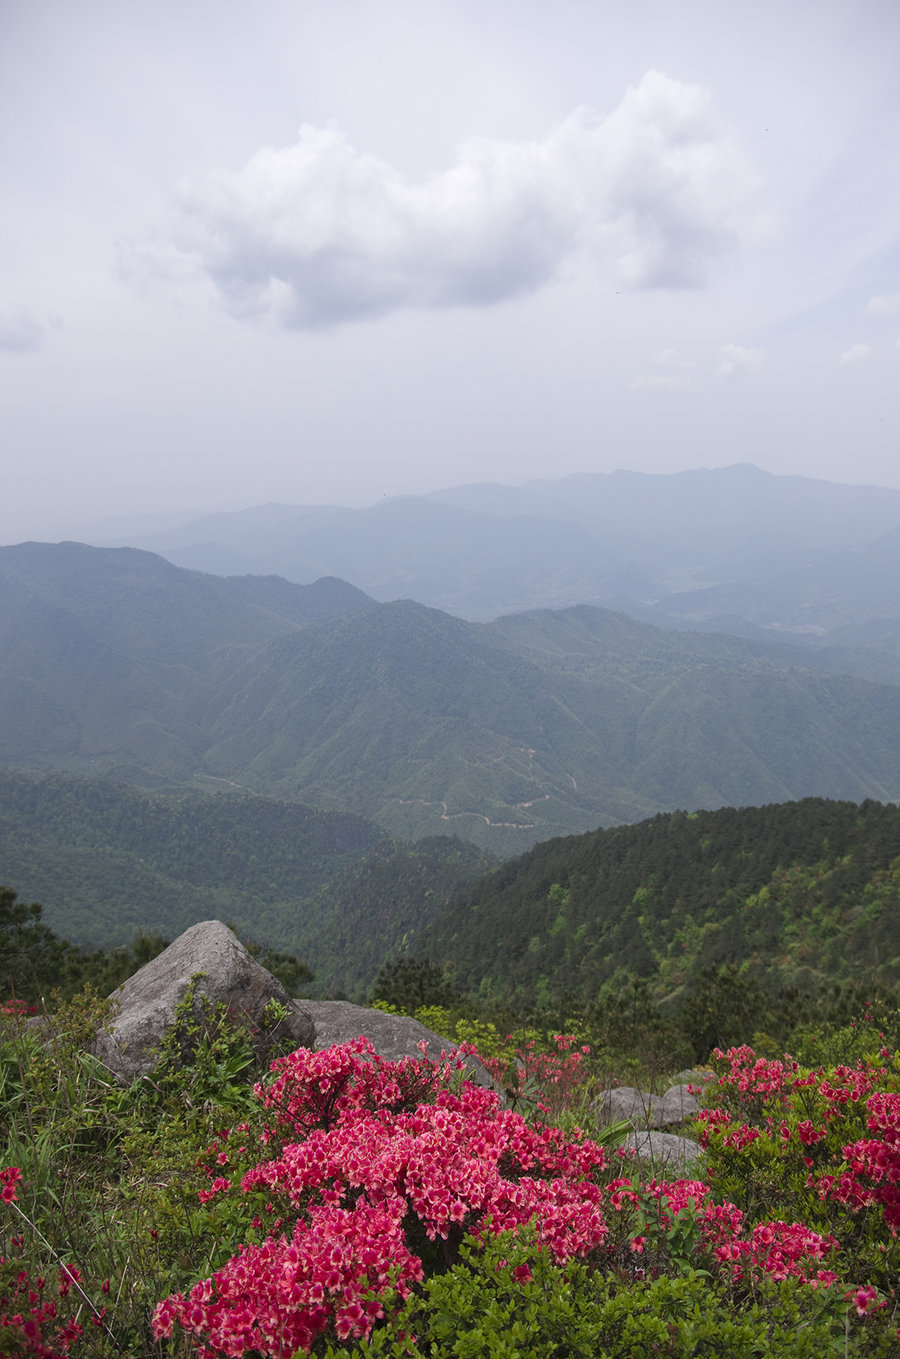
(329, 251)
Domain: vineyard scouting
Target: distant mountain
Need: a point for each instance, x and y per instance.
(734, 548)
(804, 894)
(105, 654)
(114, 662)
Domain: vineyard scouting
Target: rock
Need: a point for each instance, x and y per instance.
(146, 1002)
(392, 1036)
(695, 1075)
(665, 1151)
(676, 1105)
(644, 1110)
(624, 1101)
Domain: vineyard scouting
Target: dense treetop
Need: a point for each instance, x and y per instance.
(798, 894)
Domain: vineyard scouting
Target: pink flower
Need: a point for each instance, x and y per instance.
(10, 1176)
(862, 1298)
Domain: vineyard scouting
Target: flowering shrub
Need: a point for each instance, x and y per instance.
(30, 1325)
(551, 1079)
(394, 1158)
(825, 1140)
(377, 1175)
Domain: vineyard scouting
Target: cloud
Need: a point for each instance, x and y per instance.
(884, 304)
(677, 379)
(320, 233)
(735, 359)
(669, 382)
(22, 329)
(672, 359)
(857, 353)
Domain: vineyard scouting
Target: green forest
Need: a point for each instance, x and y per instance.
(796, 896)
(108, 862)
(117, 664)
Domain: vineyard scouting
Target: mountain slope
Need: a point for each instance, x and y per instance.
(107, 860)
(804, 893)
(505, 733)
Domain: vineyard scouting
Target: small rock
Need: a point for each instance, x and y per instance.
(665, 1151)
(392, 1036)
(644, 1110)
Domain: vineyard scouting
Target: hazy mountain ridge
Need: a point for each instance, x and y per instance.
(117, 663)
(732, 547)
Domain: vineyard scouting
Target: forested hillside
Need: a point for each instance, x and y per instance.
(803, 894)
(115, 663)
(107, 861)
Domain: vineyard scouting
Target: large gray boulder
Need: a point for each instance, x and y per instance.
(392, 1036)
(145, 1004)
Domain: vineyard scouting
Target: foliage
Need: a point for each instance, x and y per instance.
(349, 1205)
(35, 962)
(774, 1131)
(536, 725)
(385, 1183)
(791, 899)
(409, 984)
(506, 1298)
(32, 958)
(107, 859)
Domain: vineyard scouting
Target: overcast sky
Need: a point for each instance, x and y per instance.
(332, 250)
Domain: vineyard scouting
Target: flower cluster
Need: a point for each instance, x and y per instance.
(30, 1325)
(376, 1172)
(10, 1176)
(828, 1139)
(873, 1163)
(554, 1077)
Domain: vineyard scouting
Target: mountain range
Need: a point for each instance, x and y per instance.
(116, 663)
(733, 549)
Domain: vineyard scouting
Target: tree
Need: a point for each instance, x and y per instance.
(33, 960)
(410, 983)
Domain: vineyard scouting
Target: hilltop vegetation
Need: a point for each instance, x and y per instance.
(798, 897)
(213, 1207)
(753, 908)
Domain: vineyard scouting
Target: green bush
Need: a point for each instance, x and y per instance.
(507, 1300)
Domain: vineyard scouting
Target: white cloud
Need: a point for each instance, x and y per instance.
(668, 382)
(670, 358)
(733, 358)
(677, 378)
(22, 329)
(857, 353)
(884, 304)
(320, 233)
